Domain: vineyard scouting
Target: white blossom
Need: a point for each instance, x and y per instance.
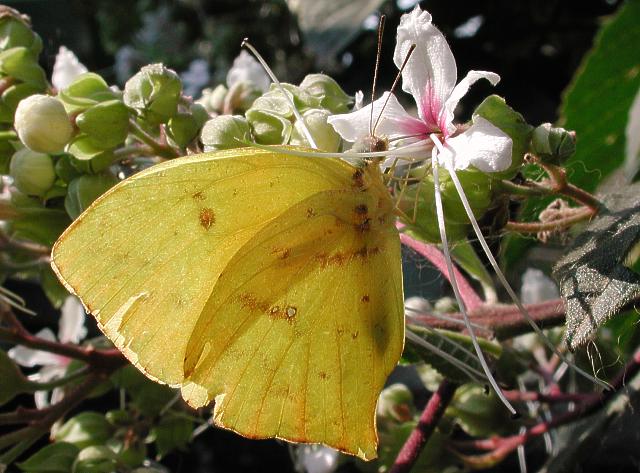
(66, 68)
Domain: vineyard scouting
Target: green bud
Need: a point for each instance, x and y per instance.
(479, 414)
(7, 139)
(84, 190)
(200, 114)
(95, 459)
(182, 128)
(83, 430)
(15, 31)
(327, 90)
(301, 98)
(21, 64)
(106, 123)
(11, 97)
(85, 91)
(213, 99)
(273, 102)
(446, 305)
(119, 418)
(13, 382)
(552, 143)
(88, 157)
(65, 169)
(154, 92)
(269, 128)
(478, 188)
(33, 173)
(42, 124)
(325, 136)
(225, 132)
(396, 403)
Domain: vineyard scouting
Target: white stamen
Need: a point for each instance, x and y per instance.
(503, 279)
(303, 125)
(452, 277)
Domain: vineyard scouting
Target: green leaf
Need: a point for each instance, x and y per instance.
(41, 225)
(13, 382)
(592, 276)
(148, 396)
(596, 105)
(53, 289)
(84, 430)
(55, 458)
(172, 432)
(444, 340)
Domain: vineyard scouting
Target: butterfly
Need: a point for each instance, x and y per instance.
(267, 283)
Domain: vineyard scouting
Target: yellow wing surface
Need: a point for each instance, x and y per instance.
(269, 283)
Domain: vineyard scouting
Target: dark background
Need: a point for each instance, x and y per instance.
(535, 46)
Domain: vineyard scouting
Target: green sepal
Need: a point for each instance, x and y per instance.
(106, 123)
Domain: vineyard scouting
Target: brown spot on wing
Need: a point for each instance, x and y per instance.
(358, 178)
(365, 298)
(198, 195)
(282, 253)
(207, 218)
(311, 212)
(323, 375)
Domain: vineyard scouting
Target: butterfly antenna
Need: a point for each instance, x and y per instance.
(454, 283)
(274, 79)
(393, 87)
(375, 70)
(503, 279)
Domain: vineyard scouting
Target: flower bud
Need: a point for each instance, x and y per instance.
(396, 403)
(301, 98)
(84, 92)
(96, 459)
(327, 90)
(22, 65)
(552, 143)
(83, 190)
(42, 124)
(273, 102)
(154, 92)
(182, 128)
(213, 99)
(324, 135)
(269, 128)
(11, 97)
(225, 132)
(65, 168)
(106, 123)
(240, 97)
(15, 31)
(33, 173)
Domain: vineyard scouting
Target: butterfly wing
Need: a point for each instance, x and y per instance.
(145, 256)
(304, 325)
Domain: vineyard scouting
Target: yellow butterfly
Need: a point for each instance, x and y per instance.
(266, 282)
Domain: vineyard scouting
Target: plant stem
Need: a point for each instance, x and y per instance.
(161, 150)
(578, 215)
(560, 185)
(429, 419)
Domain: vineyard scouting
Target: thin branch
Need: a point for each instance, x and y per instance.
(577, 215)
(160, 149)
(429, 419)
(503, 321)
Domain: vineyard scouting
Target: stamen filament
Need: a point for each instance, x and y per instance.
(452, 277)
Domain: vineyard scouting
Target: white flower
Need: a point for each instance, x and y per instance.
(66, 68)
(71, 329)
(246, 69)
(196, 77)
(316, 459)
(537, 287)
(430, 77)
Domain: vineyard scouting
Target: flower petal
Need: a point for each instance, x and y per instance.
(395, 122)
(430, 74)
(483, 145)
(29, 357)
(66, 68)
(460, 91)
(71, 327)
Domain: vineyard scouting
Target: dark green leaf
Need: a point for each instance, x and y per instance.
(173, 432)
(592, 276)
(148, 396)
(55, 458)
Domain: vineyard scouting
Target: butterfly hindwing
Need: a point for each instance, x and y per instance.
(304, 325)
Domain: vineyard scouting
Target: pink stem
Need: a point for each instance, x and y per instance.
(469, 296)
